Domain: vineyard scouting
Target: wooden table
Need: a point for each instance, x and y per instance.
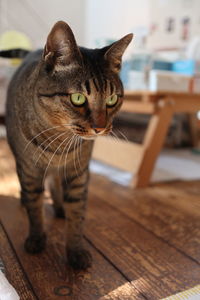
(140, 159)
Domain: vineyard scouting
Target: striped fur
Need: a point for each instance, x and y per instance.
(51, 138)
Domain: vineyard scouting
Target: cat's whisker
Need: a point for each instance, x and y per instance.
(43, 131)
(78, 151)
(65, 163)
(74, 154)
(27, 145)
(39, 146)
(63, 152)
(48, 146)
(52, 159)
(114, 135)
(123, 135)
(107, 130)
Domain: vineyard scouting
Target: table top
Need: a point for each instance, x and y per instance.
(159, 93)
(153, 96)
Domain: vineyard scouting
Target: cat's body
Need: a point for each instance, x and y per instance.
(55, 108)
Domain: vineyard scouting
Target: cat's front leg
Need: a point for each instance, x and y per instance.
(31, 198)
(55, 186)
(75, 197)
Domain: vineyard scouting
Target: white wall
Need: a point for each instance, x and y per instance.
(112, 19)
(100, 20)
(161, 10)
(36, 17)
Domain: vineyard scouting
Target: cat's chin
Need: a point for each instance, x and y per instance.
(88, 137)
(92, 137)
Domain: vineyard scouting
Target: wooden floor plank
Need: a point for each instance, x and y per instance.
(171, 211)
(154, 267)
(129, 228)
(14, 272)
(48, 272)
(189, 187)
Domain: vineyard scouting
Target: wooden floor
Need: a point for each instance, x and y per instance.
(145, 243)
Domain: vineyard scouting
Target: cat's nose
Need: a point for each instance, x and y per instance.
(98, 130)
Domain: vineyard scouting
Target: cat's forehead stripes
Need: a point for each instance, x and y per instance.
(105, 85)
(112, 88)
(87, 86)
(93, 86)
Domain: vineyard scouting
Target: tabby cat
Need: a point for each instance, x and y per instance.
(58, 102)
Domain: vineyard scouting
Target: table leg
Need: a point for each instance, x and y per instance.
(153, 141)
(192, 119)
(2, 120)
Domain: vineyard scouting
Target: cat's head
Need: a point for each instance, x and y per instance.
(80, 87)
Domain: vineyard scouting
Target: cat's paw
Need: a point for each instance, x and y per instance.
(79, 259)
(59, 212)
(35, 244)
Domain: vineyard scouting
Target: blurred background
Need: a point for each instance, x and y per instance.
(164, 55)
(146, 241)
(167, 32)
(157, 24)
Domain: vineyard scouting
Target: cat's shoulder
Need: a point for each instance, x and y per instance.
(33, 57)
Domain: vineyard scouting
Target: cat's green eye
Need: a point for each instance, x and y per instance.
(78, 99)
(111, 100)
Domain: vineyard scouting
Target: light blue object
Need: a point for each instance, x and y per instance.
(162, 65)
(186, 67)
(141, 62)
(126, 67)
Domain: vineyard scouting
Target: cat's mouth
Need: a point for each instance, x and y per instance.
(92, 133)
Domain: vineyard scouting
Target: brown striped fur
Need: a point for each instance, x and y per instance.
(51, 138)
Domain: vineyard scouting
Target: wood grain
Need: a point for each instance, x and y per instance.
(14, 272)
(149, 237)
(48, 272)
(153, 266)
(170, 211)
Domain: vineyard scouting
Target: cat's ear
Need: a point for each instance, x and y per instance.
(61, 49)
(114, 52)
